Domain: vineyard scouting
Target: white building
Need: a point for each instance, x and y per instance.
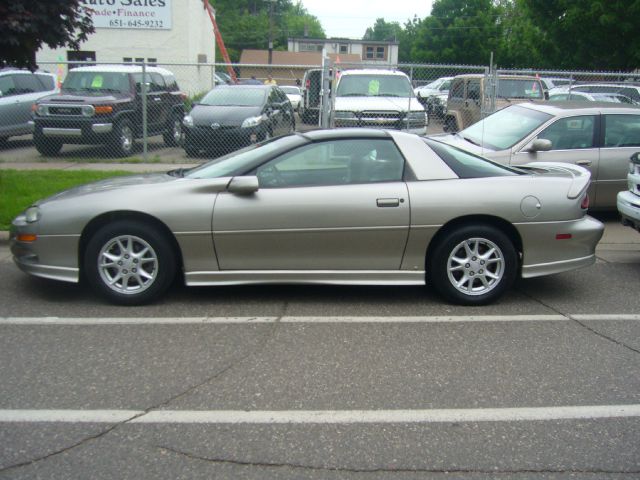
(369, 51)
(160, 32)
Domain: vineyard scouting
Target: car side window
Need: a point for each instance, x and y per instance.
(473, 90)
(7, 86)
(26, 83)
(457, 89)
(571, 133)
(157, 83)
(337, 162)
(621, 131)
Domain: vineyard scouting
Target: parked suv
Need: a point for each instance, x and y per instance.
(629, 200)
(103, 105)
(469, 97)
(378, 98)
(19, 89)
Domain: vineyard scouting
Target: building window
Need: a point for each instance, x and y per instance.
(152, 61)
(310, 47)
(344, 48)
(375, 53)
(127, 60)
(80, 56)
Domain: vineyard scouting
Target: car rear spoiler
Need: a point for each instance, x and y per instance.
(580, 175)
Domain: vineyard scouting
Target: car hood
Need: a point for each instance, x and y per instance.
(427, 92)
(82, 97)
(108, 185)
(361, 104)
(205, 115)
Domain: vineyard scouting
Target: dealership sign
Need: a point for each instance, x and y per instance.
(135, 14)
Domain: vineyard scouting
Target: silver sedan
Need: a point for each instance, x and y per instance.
(330, 206)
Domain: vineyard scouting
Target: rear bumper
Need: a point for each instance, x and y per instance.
(629, 208)
(545, 253)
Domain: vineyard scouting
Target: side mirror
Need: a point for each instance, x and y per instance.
(540, 145)
(243, 185)
(635, 158)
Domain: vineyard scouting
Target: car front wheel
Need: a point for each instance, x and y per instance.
(123, 138)
(473, 265)
(129, 262)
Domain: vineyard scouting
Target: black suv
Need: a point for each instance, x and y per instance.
(103, 105)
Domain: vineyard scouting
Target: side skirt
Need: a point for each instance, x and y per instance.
(330, 277)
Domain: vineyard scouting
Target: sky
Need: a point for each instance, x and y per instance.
(351, 18)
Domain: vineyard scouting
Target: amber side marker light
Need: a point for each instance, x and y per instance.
(104, 109)
(26, 237)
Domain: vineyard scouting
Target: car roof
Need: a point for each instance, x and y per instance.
(248, 86)
(571, 108)
(372, 71)
(318, 135)
(12, 70)
(122, 69)
(503, 77)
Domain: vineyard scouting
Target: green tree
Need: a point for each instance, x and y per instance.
(383, 31)
(245, 24)
(589, 34)
(27, 25)
(458, 31)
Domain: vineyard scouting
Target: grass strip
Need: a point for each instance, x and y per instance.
(20, 188)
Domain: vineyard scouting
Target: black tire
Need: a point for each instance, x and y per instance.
(489, 268)
(123, 141)
(450, 124)
(47, 147)
(140, 265)
(173, 136)
(190, 149)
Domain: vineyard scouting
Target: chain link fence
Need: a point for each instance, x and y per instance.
(206, 110)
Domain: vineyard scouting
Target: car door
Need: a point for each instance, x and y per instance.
(573, 140)
(333, 205)
(621, 138)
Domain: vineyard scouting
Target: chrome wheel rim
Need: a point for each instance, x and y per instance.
(475, 266)
(128, 264)
(126, 138)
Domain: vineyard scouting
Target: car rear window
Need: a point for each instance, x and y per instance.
(467, 165)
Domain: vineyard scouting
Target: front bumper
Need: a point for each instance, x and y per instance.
(75, 130)
(222, 138)
(382, 123)
(629, 208)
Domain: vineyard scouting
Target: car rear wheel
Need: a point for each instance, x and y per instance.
(123, 139)
(473, 265)
(129, 263)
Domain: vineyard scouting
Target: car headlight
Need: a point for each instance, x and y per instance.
(252, 121)
(42, 110)
(187, 121)
(32, 214)
(88, 110)
(416, 115)
(343, 115)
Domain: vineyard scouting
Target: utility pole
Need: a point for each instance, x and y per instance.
(271, 2)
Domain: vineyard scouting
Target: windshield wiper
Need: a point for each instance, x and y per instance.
(353, 95)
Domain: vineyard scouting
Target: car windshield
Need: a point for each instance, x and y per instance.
(232, 96)
(516, 88)
(244, 160)
(96, 81)
(291, 90)
(504, 128)
(467, 165)
(374, 86)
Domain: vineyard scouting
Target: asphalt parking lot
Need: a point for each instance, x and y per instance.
(326, 382)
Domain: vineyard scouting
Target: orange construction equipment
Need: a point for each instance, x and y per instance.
(220, 42)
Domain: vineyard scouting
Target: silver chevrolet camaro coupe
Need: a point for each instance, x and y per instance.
(345, 206)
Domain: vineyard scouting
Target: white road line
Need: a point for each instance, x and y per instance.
(308, 319)
(322, 416)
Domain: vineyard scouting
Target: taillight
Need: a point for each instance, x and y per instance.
(307, 84)
(585, 202)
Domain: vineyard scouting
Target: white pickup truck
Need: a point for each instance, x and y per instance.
(629, 200)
